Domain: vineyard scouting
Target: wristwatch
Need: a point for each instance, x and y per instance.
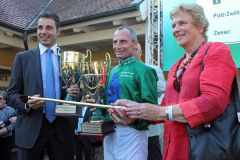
(169, 112)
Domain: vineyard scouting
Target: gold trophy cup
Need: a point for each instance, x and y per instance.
(71, 74)
(93, 81)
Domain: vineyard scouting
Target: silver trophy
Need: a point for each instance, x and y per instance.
(93, 82)
(71, 74)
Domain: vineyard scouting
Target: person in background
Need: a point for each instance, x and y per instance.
(84, 143)
(37, 72)
(193, 96)
(7, 119)
(154, 132)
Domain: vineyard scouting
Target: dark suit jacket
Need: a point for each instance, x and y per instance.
(26, 79)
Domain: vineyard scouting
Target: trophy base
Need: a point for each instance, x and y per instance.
(67, 110)
(97, 128)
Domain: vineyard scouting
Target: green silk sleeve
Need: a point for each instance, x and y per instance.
(148, 87)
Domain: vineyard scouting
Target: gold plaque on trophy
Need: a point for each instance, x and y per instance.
(97, 128)
(67, 110)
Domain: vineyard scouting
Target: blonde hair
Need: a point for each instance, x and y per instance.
(197, 13)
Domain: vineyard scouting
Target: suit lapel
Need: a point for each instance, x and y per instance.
(36, 61)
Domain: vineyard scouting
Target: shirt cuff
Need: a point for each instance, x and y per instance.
(26, 107)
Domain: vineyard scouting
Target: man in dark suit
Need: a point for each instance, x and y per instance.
(36, 72)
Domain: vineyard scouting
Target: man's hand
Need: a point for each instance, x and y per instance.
(35, 103)
(89, 99)
(76, 133)
(73, 90)
(136, 110)
(119, 116)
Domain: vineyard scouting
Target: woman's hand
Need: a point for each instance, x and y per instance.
(145, 111)
(124, 103)
(136, 110)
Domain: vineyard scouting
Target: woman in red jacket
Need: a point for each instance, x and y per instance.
(182, 103)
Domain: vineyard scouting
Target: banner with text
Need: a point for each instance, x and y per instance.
(223, 17)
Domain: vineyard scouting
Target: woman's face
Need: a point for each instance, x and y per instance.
(184, 31)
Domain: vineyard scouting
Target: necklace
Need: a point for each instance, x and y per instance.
(180, 69)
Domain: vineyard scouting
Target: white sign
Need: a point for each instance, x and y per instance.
(224, 19)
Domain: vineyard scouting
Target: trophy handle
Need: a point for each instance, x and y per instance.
(85, 56)
(101, 69)
(108, 61)
(60, 66)
(105, 70)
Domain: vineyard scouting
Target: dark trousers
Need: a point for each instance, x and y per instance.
(154, 150)
(47, 141)
(6, 148)
(84, 145)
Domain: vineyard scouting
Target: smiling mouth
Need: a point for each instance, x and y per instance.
(179, 36)
(44, 38)
(119, 52)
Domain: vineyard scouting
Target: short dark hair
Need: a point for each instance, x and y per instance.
(132, 32)
(52, 16)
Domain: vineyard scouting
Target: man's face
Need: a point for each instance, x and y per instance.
(123, 44)
(2, 102)
(47, 32)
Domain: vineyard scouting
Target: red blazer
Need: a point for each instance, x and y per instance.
(214, 83)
